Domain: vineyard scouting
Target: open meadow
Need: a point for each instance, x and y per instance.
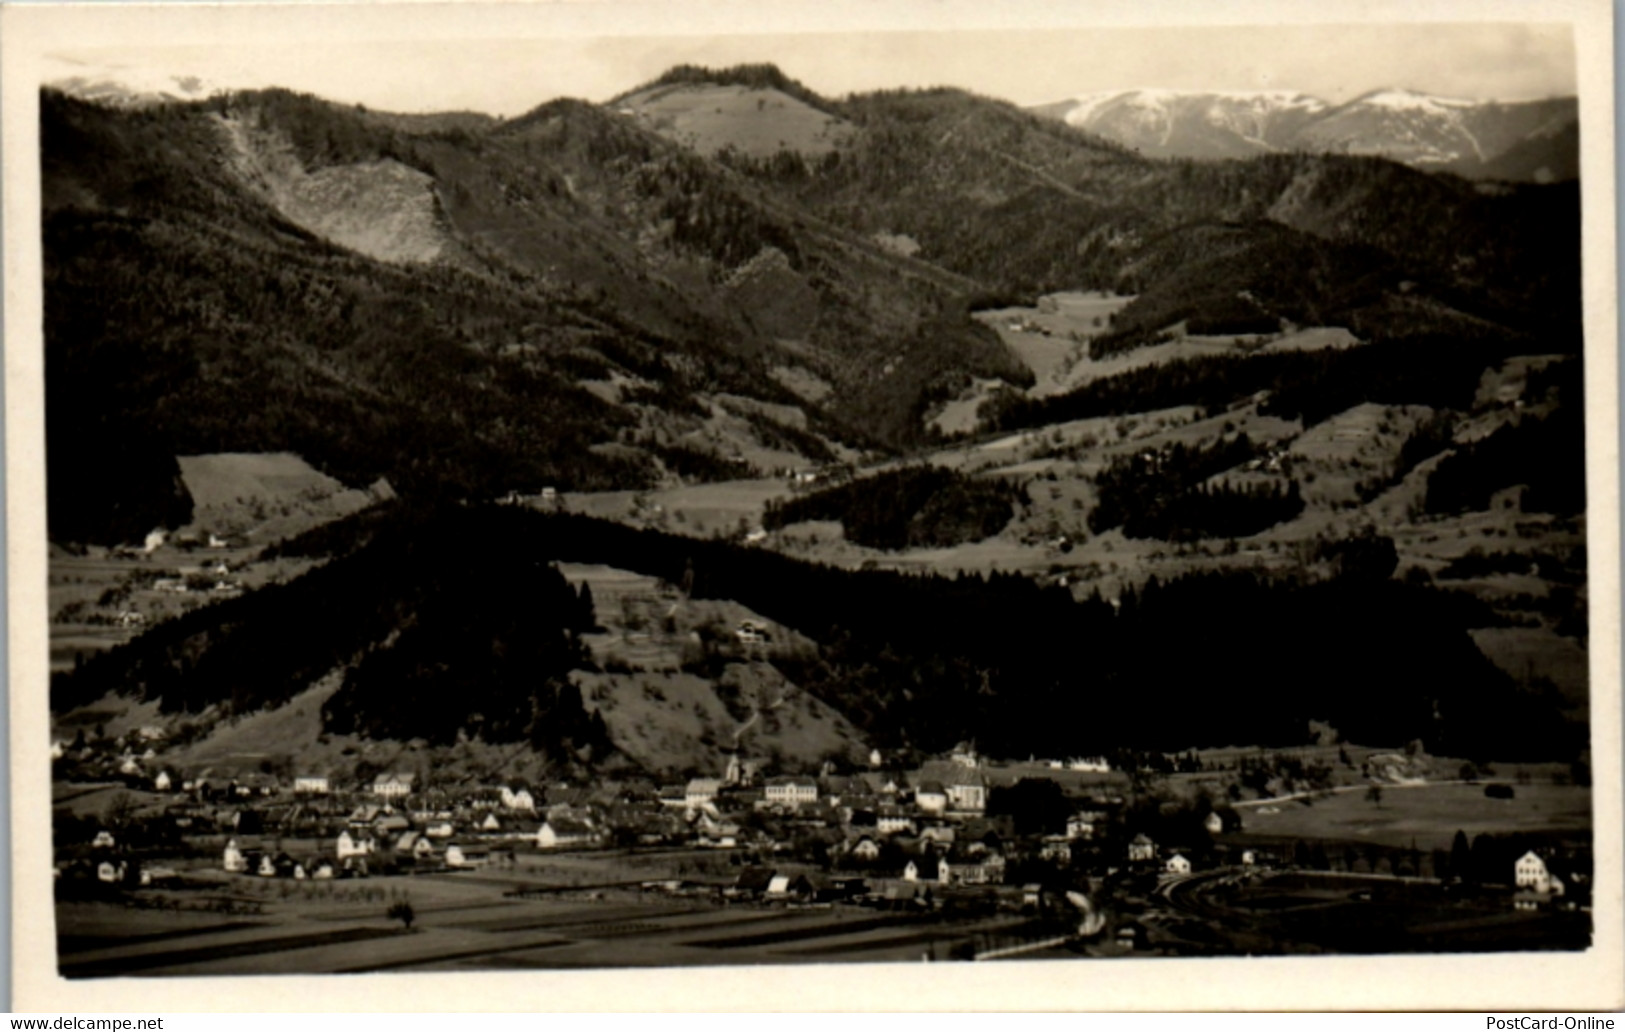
(1428, 815)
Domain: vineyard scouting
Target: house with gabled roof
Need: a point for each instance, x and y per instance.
(565, 833)
(931, 797)
(1141, 849)
(354, 843)
(394, 786)
(700, 791)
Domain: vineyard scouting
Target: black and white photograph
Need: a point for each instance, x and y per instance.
(770, 492)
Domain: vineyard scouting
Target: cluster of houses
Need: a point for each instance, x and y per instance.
(800, 837)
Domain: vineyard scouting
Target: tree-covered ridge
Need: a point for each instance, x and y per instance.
(1168, 494)
(1437, 370)
(1546, 455)
(913, 507)
(928, 660)
(914, 660)
(765, 76)
(431, 644)
(1029, 206)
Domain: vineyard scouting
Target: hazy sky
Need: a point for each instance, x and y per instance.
(1505, 61)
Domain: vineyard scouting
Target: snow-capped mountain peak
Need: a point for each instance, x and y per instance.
(1411, 100)
(122, 85)
(1421, 129)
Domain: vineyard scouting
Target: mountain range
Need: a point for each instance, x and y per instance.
(598, 296)
(720, 275)
(1535, 140)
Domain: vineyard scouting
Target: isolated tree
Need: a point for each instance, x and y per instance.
(1373, 795)
(1461, 857)
(119, 808)
(403, 913)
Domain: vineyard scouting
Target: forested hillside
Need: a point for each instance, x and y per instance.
(1027, 205)
(916, 660)
(207, 290)
(429, 645)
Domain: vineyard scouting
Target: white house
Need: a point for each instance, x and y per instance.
(701, 791)
(232, 859)
(1080, 826)
(1213, 823)
(490, 823)
(107, 872)
(353, 844)
(875, 759)
(311, 784)
(866, 849)
(1141, 849)
(442, 829)
(518, 799)
(563, 833)
(416, 845)
(393, 786)
(161, 782)
(129, 765)
(931, 797)
(964, 754)
(891, 821)
(1530, 872)
(1090, 764)
(464, 857)
(792, 792)
(103, 840)
(1177, 864)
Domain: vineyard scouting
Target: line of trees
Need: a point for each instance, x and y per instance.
(914, 507)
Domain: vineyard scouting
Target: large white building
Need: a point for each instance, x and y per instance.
(792, 792)
(311, 784)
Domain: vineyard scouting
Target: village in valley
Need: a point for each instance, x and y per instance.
(951, 858)
(726, 524)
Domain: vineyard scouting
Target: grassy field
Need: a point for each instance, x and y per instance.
(757, 122)
(469, 922)
(1429, 815)
(1309, 912)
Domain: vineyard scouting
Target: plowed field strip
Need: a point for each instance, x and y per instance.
(823, 930)
(440, 958)
(85, 943)
(174, 958)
